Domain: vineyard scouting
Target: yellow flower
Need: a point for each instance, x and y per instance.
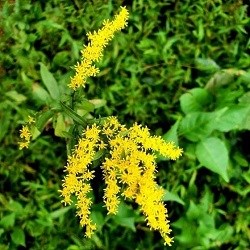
(31, 119)
(93, 52)
(129, 170)
(25, 135)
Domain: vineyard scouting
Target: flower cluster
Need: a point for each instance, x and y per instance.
(128, 168)
(93, 52)
(25, 134)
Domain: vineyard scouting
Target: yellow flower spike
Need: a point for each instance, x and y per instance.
(93, 52)
(129, 170)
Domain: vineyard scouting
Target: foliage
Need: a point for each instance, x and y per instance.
(184, 64)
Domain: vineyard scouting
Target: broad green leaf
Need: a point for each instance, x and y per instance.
(197, 125)
(207, 65)
(87, 105)
(213, 154)
(18, 237)
(235, 117)
(15, 206)
(169, 196)
(43, 119)
(128, 222)
(50, 83)
(125, 216)
(196, 99)
(41, 94)
(8, 220)
(172, 135)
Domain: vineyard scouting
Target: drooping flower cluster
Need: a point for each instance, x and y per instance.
(93, 52)
(25, 134)
(128, 168)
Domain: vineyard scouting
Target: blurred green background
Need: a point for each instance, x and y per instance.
(180, 67)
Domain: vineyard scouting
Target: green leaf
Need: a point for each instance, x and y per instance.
(17, 97)
(59, 212)
(87, 105)
(219, 79)
(125, 216)
(60, 126)
(98, 218)
(41, 94)
(235, 117)
(98, 103)
(128, 222)
(18, 237)
(197, 125)
(43, 119)
(8, 220)
(169, 196)
(71, 113)
(196, 99)
(172, 135)
(50, 83)
(207, 65)
(213, 154)
(99, 154)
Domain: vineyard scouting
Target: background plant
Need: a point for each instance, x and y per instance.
(176, 61)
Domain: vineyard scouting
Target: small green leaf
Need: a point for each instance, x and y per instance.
(98, 103)
(98, 154)
(50, 83)
(59, 212)
(169, 196)
(18, 237)
(196, 99)
(213, 154)
(172, 135)
(207, 65)
(43, 119)
(17, 97)
(97, 218)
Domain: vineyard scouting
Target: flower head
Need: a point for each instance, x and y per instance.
(93, 52)
(129, 169)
